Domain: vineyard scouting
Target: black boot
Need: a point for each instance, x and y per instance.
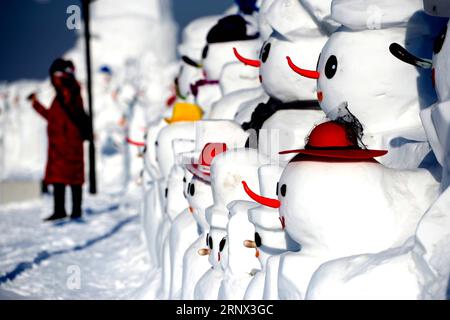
(77, 196)
(59, 193)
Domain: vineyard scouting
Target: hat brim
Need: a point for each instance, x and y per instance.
(355, 154)
(196, 171)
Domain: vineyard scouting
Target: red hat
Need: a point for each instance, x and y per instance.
(332, 140)
(202, 168)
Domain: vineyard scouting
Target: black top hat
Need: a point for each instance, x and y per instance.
(230, 28)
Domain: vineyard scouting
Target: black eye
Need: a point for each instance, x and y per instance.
(192, 190)
(166, 192)
(207, 239)
(210, 242)
(278, 185)
(258, 240)
(331, 67)
(439, 43)
(265, 52)
(283, 190)
(184, 180)
(205, 52)
(145, 149)
(156, 143)
(222, 244)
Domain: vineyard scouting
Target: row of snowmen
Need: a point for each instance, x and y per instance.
(305, 154)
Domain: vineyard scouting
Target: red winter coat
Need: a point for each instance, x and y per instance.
(65, 160)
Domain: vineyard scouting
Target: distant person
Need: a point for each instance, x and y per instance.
(68, 126)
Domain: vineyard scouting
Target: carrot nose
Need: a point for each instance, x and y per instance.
(303, 72)
(191, 210)
(268, 202)
(250, 244)
(257, 253)
(247, 62)
(204, 252)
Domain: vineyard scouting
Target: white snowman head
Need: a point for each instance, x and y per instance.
(294, 33)
(150, 163)
(199, 197)
(190, 50)
(229, 32)
(240, 258)
(357, 75)
(228, 170)
(174, 193)
(270, 238)
(163, 144)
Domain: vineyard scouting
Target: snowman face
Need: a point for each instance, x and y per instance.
(277, 78)
(441, 63)
(241, 258)
(163, 144)
(213, 240)
(188, 75)
(174, 193)
(217, 55)
(357, 71)
(340, 208)
(199, 196)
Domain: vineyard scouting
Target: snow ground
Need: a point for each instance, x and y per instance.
(37, 259)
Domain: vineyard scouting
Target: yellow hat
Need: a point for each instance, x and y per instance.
(183, 111)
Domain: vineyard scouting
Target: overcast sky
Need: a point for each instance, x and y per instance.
(33, 32)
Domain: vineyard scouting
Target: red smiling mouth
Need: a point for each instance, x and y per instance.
(247, 62)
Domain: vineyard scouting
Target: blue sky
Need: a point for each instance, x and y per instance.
(26, 53)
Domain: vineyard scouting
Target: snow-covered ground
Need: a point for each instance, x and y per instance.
(106, 249)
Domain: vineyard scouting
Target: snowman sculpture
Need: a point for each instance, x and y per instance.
(178, 223)
(166, 161)
(240, 263)
(358, 216)
(270, 239)
(244, 90)
(359, 80)
(230, 31)
(292, 100)
(151, 210)
(199, 194)
(190, 50)
(419, 269)
(227, 172)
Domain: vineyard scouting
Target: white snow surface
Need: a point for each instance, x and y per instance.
(108, 247)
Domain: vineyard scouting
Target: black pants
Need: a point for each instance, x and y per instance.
(59, 194)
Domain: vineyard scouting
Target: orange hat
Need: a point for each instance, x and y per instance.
(183, 111)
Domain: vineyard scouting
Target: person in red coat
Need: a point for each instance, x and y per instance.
(65, 160)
